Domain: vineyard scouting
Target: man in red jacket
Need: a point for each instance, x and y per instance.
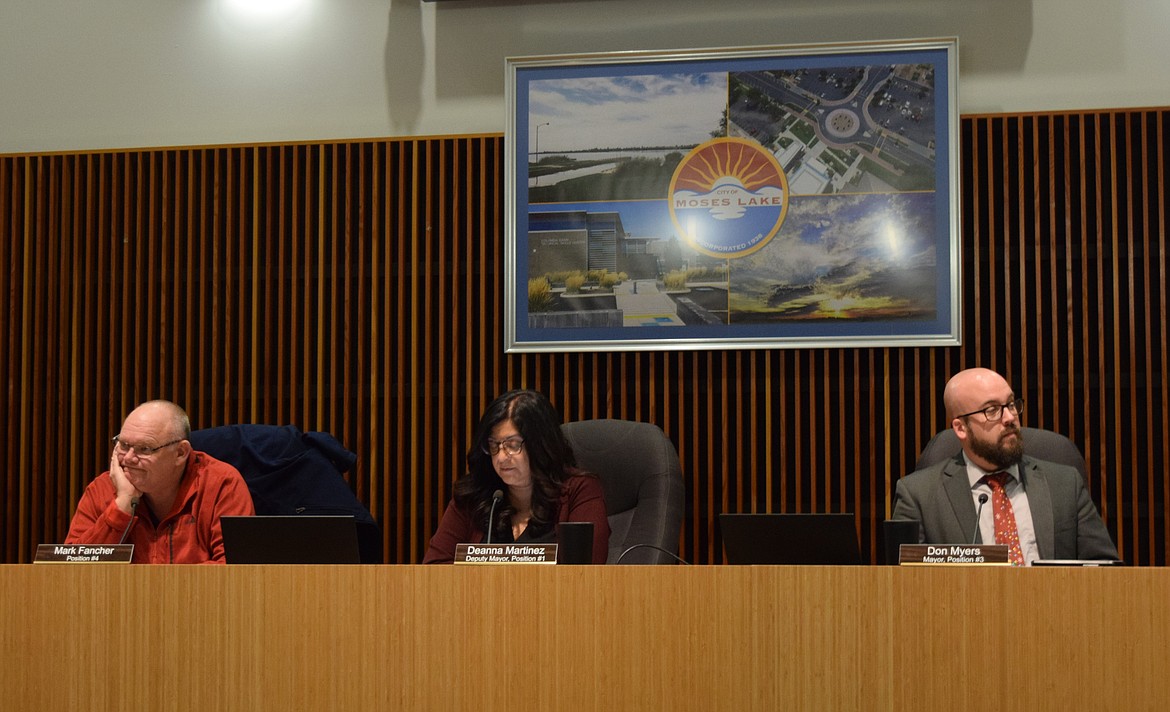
(160, 495)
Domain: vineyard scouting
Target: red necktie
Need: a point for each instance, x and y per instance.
(1005, 518)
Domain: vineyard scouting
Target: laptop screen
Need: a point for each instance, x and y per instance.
(826, 539)
(293, 539)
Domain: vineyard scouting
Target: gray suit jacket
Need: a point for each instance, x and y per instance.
(1064, 516)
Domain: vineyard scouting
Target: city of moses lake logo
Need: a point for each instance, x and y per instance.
(728, 197)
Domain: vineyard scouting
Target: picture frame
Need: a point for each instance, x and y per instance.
(794, 196)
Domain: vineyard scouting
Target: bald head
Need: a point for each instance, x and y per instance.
(991, 443)
(153, 451)
(973, 389)
(162, 417)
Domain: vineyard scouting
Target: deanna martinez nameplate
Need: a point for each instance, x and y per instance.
(505, 553)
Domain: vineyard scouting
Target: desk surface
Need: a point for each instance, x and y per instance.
(612, 638)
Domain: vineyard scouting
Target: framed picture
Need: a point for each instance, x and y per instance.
(774, 197)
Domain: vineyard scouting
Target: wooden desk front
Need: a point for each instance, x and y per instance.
(98, 637)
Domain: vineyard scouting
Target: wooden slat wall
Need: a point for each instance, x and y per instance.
(356, 288)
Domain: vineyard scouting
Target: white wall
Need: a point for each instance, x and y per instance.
(96, 74)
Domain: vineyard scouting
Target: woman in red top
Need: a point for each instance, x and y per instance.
(519, 449)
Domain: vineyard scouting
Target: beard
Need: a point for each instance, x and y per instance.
(1003, 453)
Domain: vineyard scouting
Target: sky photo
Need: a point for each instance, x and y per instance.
(626, 112)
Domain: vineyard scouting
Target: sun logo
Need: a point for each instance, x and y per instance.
(728, 197)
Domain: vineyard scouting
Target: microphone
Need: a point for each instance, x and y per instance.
(979, 513)
(648, 546)
(496, 497)
(126, 531)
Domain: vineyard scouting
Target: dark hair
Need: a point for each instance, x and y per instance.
(549, 455)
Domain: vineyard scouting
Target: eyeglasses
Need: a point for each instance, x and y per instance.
(511, 446)
(140, 450)
(993, 413)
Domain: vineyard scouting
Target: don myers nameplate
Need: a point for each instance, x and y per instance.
(84, 553)
(505, 553)
(960, 554)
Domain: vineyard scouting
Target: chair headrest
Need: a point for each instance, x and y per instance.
(1038, 443)
(624, 454)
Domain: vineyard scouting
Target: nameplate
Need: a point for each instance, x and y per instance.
(505, 553)
(953, 554)
(84, 554)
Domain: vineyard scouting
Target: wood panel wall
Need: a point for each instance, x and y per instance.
(356, 288)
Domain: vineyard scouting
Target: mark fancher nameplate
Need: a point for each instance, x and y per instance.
(84, 554)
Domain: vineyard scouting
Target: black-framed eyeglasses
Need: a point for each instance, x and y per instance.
(995, 412)
(141, 450)
(511, 446)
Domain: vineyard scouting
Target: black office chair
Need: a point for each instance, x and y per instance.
(642, 479)
(291, 472)
(1040, 444)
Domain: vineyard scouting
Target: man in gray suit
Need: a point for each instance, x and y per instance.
(1054, 516)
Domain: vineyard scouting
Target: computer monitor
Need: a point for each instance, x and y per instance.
(290, 539)
(790, 538)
